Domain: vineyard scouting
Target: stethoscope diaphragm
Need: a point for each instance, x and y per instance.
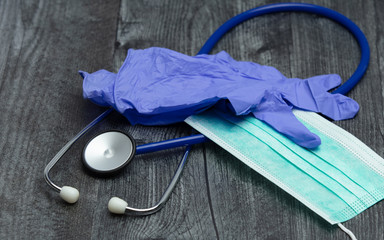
(109, 152)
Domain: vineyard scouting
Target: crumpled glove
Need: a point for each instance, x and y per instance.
(158, 86)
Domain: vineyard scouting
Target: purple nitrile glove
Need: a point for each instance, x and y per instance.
(159, 86)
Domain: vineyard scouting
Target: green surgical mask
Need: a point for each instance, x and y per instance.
(338, 180)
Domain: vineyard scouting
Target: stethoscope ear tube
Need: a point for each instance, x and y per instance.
(70, 194)
(118, 206)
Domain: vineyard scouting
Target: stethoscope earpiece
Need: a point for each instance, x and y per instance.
(69, 194)
(117, 205)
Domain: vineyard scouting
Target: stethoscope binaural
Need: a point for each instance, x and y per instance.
(111, 151)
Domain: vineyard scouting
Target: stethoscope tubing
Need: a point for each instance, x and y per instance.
(172, 143)
(66, 147)
(301, 7)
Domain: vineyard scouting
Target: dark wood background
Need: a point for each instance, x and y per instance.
(44, 43)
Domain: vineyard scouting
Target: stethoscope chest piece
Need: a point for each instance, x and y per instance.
(109, 152)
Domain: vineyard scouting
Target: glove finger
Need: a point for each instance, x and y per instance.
(336, 106)
(324, 83)
(311, 95)
(303, 92)
(278, 115)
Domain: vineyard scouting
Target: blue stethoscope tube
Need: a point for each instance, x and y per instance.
(172, 143)
(300, 7)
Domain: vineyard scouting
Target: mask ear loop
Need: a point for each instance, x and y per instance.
(347, 231)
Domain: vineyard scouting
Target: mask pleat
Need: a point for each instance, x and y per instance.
(320, 178)
(257, 152)
(344, 138)
(356, 161)
(303, 165)
(336, 170)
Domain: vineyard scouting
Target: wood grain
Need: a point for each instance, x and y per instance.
(45, 43)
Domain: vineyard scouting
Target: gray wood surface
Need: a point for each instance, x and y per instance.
(43, 45)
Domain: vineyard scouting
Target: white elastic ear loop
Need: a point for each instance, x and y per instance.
(347, 231)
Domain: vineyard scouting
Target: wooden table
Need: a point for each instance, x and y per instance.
(43, 45)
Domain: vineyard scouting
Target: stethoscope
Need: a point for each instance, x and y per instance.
(110, 151)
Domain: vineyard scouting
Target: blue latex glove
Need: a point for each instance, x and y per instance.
(158, 86)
